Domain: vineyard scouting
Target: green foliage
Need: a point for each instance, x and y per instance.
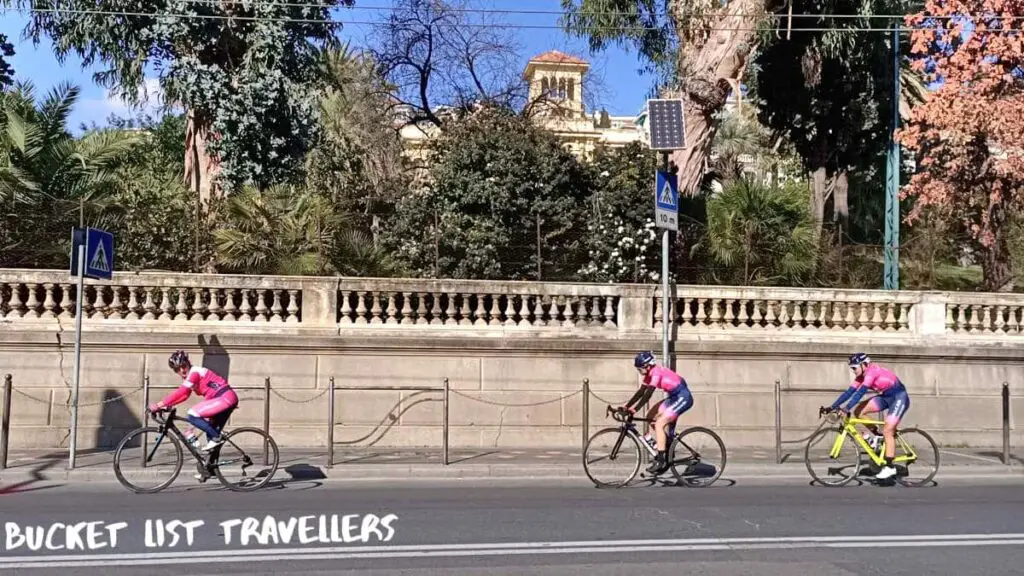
(6, 70)
(284, 230)
(492, 177)
(158, 229)
(621, 243)
(762, 234)
(49, 181)
(247, 71)
(357, 162)
(642, 24)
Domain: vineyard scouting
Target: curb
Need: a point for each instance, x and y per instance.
(359, 472)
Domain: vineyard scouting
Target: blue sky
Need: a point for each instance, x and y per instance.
(623, 89)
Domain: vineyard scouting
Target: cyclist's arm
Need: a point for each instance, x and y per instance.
(642, 395)
(181, 394)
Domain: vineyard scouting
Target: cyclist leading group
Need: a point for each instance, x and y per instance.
(892, 397)
(209, 415)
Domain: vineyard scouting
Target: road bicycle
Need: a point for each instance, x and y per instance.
(214, 463)
(849, 444)
(684, 468)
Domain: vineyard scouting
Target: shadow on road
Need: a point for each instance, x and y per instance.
(38, 477)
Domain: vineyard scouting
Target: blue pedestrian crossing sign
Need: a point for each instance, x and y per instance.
(666, 201)
(99, 252)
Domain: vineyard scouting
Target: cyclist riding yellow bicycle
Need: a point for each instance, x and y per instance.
(892, 396)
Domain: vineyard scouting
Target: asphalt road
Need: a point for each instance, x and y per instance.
(492, 527)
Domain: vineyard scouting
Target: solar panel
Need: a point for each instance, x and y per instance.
(668, 128)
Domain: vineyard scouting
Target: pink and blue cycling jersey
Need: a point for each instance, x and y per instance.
(205, 382)
(663, 378)
(876, 378)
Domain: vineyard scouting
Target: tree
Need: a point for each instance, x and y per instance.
(700, 48)
(828, 88)
(501, 202)
(967, 136)
(621, 243)
(438, 55)
(6, 70)
(357, 162)
(50, 181)
(245, 74)
(291, 231)
(762, 234)
(159, 214)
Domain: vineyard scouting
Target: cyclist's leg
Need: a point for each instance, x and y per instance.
(650, 437)
(865, 407)
(668, 412)
(897, 404)
(200, 414)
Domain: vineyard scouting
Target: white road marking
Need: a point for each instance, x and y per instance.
(510, 548)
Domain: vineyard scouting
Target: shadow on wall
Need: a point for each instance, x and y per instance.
(116, 420)
(215, 356)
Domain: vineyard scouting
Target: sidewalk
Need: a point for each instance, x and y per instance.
(426, 464)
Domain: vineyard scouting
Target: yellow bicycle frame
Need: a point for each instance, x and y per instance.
(878, 458)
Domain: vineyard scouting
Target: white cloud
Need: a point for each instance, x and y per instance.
(150, 96)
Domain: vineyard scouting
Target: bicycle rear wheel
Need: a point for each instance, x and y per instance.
(922, 451)
(147, 460)
(698, 457)
(242, 449)
(611, 445)
(841, 466)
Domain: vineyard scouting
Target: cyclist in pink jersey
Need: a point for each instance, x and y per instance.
(210, 414)
(892, 397)
(677, 401)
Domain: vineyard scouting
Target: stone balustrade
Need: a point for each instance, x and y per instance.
(510, 308)
(515, 353)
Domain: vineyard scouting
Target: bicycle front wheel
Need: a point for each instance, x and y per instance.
(615, 448)
(698, 457)
(841, 459)
(147, 460)
(915, 450)
(246, 448)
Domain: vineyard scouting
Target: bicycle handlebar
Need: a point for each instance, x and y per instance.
(619, 414)
(163, 420)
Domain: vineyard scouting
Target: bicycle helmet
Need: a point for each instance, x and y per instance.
(178, 359)
(643, 359)
(858, 359)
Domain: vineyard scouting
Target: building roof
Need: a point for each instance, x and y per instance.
(556, 57)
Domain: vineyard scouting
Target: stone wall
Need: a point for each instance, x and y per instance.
(515, 355)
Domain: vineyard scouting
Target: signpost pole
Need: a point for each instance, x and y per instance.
(668, 132)
(80, 299)
(92, 255)
(664, 283)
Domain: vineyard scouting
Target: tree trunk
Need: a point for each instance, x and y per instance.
(200, 172)
(841, 200)
(706, 70)
(996, 267)
(819, 194)
(200, 167)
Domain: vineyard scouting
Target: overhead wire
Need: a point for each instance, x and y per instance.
(582, 28)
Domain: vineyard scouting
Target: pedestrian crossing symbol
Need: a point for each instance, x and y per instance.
(666, 201)
(99, 259)
(98, 255)
(667, 197)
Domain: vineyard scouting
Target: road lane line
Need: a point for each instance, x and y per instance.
(512, 548)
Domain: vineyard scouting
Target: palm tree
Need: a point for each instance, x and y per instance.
(288, 231)
(48, 179)
(764, 233)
